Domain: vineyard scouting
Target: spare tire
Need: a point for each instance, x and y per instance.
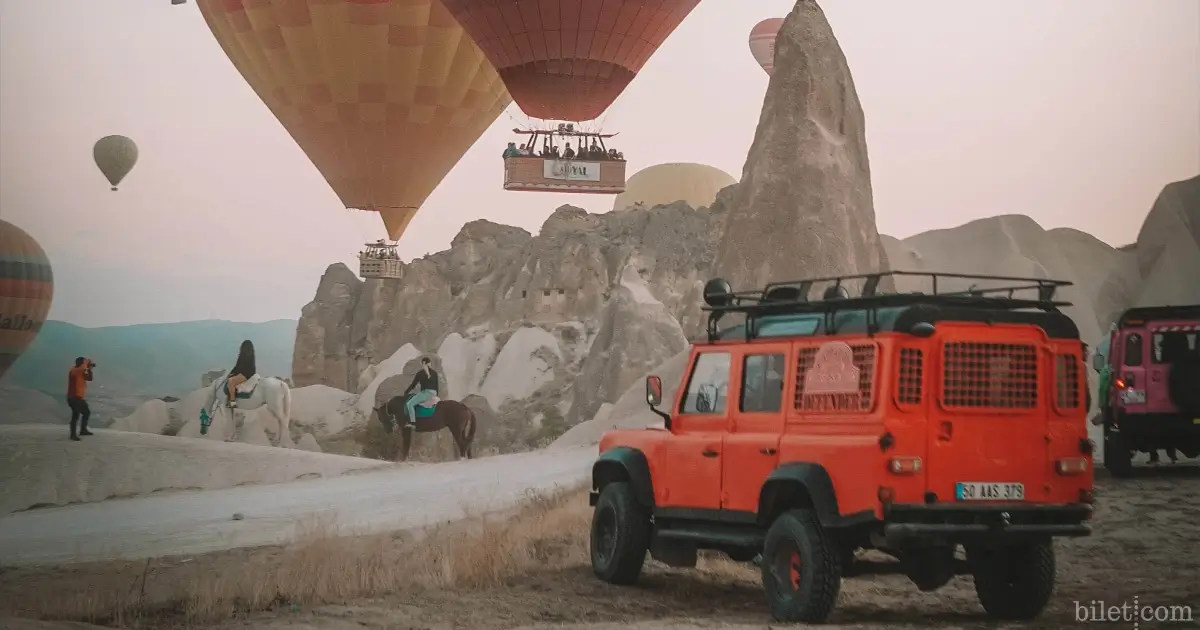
(1183, 385)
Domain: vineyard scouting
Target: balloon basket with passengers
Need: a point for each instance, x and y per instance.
(379, 260)
(583, 164)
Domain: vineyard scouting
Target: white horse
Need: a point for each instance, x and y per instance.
(272, 392)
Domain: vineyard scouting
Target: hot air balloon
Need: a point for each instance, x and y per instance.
(26, 291)
(115, 155)
(661, 184)
(762, 42)
(566, 59)
(383, 96)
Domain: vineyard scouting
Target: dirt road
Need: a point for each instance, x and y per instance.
(532, 573)
(202, 521)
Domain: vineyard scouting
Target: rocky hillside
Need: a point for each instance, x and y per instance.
(548, 328)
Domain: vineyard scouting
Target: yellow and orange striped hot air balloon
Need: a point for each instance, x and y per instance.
(26, 291)
(384, 96)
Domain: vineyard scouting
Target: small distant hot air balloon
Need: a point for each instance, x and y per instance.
(762, 42)
(26, 291)
(565, 59)
(115, 155)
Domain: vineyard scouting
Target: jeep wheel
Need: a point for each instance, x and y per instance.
(801, 572)
(1013, 582)
(1118, 458)
(620, 535)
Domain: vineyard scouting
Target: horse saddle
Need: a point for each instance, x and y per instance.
(245, 390)
(425, 409)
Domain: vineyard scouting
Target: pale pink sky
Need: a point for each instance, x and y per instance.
(1075, 112)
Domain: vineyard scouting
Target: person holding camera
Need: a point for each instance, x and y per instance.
(77, 380)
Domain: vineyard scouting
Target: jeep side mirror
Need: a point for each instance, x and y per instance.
(654, 399)
(653, 391)
(1097, 362)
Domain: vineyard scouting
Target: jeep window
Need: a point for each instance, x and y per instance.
(708, 388)
(1133, 350)
(762, 383)
(1173, 346)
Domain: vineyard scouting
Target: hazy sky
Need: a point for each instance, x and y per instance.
(1075, 112)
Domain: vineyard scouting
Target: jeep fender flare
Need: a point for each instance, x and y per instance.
(798, 484)
(627, 464)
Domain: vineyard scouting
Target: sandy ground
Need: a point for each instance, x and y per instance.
(396, 498)
(1145, 545)
(39, 466)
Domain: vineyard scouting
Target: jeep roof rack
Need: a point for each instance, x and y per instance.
(1139, 315)
(792, 298)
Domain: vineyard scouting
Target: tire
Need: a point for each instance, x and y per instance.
(1118, 457)
(1013, 582)
(620, 535)
(808, 594)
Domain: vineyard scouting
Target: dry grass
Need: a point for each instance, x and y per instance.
(545, 531)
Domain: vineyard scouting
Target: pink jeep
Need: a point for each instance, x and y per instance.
(1153, 401)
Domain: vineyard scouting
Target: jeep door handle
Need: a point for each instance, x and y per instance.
(767, 451)
(709, 453)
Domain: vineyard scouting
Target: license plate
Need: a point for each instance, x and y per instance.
(1133, 396)
(983, 491)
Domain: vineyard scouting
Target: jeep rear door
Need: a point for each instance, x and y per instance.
(987, 426)
(752, 445)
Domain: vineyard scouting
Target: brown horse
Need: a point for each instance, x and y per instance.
(447, 414)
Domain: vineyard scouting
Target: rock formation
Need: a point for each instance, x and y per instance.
(804, 205)
(1168, 247)
(1104, 278)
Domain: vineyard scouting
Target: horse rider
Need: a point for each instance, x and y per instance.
(241, 372)
(426, 384)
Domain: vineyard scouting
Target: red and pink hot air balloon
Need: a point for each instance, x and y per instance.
(762, 42)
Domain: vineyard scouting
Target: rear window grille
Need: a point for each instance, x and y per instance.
(838, 395)
(990, 375)
(1066, 371)
(911, 376)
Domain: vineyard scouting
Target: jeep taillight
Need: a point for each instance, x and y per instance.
(1071, 466)
(905, 465)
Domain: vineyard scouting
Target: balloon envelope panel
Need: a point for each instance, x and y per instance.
(569, 59)
(26, 291)
(384, 96)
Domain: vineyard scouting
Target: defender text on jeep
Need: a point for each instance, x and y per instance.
(912, 424)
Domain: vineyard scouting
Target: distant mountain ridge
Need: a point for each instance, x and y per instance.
(150, 359)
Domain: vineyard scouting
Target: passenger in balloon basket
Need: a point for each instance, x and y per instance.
(77, 379)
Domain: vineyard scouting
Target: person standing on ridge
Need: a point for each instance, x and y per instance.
(77, 380)
(426, 384)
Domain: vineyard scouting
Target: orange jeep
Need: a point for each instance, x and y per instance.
(909, 424)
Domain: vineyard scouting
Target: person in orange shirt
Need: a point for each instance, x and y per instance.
(77, 380)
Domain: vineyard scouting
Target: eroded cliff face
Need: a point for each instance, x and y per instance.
(612, 290)
(804, 206)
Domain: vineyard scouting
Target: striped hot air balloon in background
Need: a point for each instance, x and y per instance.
(26, 291)
(762, 42)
